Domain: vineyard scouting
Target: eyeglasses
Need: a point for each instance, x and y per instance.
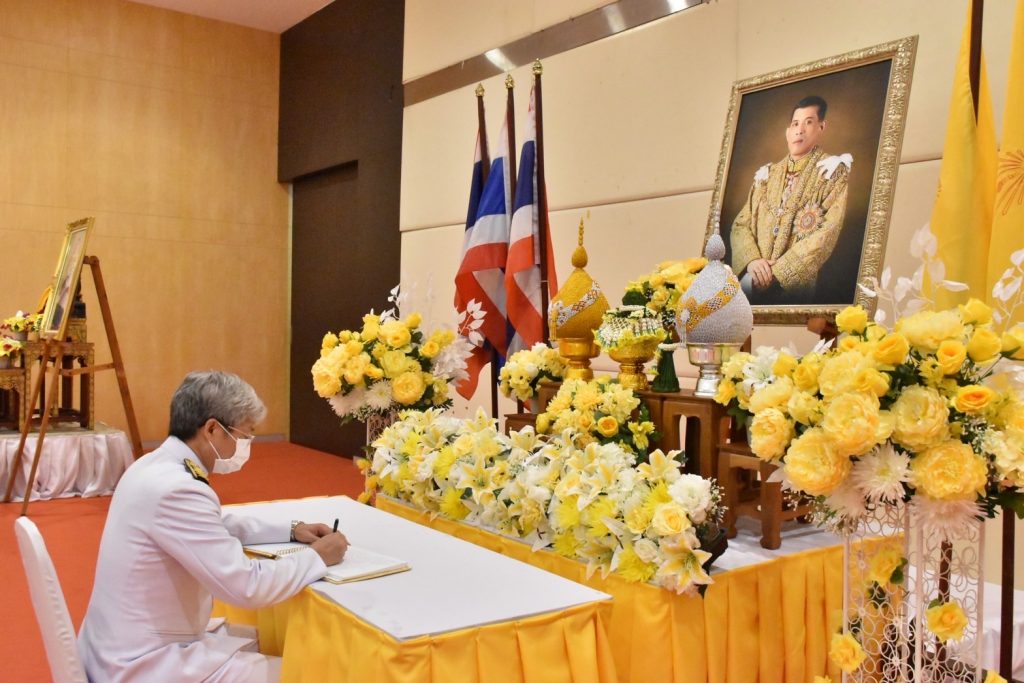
(241, 434)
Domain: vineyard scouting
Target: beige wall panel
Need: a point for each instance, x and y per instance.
(40, 22)
(189, 328)
(437, 156)
(123, 153)
(219, 138)
(33, 156)
(619, 121)
(175, 156)
(774, 35)
(546, 13)
(30, 53)
(431, 25)
(128, 30)
(229, 50)
(95, 65)
(639, 114)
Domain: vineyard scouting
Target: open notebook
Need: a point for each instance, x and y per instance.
(359, 564)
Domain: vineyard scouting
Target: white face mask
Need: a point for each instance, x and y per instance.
(239, 458)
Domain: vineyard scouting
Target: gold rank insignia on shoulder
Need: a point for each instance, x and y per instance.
(196, 471)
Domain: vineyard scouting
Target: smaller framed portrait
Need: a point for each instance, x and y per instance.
(65, 280)
(806, 177)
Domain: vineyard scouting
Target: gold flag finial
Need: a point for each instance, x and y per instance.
(538, 68)
(579, 255)
(509, 81)
(479, 89)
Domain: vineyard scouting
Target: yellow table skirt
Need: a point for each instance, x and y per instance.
(767, 622)
(324, 643)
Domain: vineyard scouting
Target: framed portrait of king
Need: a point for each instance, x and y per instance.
(805, 180)
(65, 279)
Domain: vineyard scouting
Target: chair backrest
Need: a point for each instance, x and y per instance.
(48, 601)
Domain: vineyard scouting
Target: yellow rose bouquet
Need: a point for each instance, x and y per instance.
(662, 290)
(592, 503)
(525, 369)
(390, 364)
(889, 416)
(599, 411)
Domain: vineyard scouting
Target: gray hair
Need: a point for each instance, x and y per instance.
(223, 396)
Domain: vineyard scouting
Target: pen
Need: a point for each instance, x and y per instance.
(335, 525)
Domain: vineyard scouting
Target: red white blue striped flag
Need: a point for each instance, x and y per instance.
(522, 272)
(481, 275)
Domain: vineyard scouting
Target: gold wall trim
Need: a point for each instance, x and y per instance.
(562, 37)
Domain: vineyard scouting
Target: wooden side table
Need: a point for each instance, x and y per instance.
(706, 423)
(744, 479)
(80, 352)
(517, 421)
(14, 398)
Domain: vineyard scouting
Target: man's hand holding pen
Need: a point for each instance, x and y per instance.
(329, 543)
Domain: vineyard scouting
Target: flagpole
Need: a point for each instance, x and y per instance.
(510, 124)
(481, 122)
(1009, 540)
(485, 159)
(542, 192)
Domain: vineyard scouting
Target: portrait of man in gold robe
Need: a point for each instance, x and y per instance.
(793, 215)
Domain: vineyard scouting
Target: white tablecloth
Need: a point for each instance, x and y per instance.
(74, 462)
(452, 585)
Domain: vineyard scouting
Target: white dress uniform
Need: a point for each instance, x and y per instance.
(165, 550)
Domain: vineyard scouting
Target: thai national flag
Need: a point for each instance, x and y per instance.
(481, 275)
(522, 273)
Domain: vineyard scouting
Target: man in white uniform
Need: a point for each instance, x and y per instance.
(167, 551)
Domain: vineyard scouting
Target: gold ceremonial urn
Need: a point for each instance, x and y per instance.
(631, 357)
(577, 354)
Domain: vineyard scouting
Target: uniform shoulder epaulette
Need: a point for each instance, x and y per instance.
(196, 471)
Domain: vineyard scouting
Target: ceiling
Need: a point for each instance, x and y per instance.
(275, 16)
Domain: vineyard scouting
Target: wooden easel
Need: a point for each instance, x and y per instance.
(54, 347)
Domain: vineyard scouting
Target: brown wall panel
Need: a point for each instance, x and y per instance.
(340, 143)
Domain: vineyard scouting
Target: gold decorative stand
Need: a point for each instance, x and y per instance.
(57, 350)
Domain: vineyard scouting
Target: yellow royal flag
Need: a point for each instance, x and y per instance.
(962, 216)
(1008, 214)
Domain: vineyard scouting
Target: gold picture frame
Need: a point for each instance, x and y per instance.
(65, 279)
(869, 91)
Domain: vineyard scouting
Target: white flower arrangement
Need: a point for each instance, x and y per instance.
(593, 504)
(525, 369)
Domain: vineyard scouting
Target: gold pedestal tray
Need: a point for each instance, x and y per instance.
(631, 359)
(577, 354)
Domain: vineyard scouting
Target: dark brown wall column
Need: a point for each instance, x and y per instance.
(340, 144)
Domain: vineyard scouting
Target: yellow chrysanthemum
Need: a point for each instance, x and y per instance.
(567, 512)
(593, 516)
(566, 544)
(451, 504)
(632, 568)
